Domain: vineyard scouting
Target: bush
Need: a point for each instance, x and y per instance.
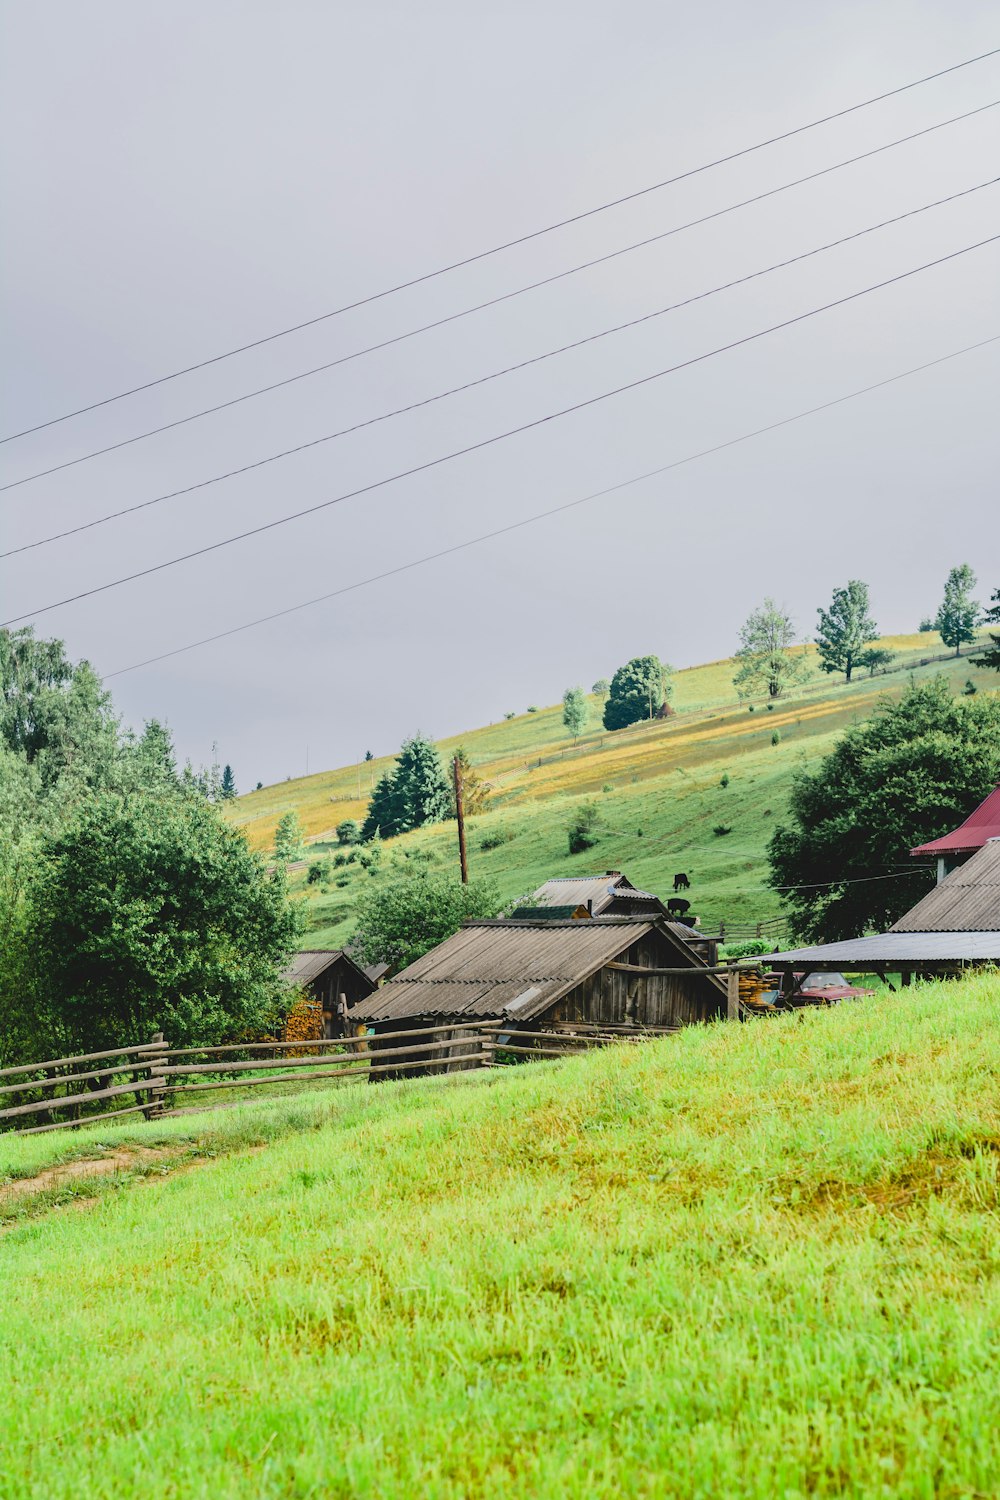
(339, 860)
(607, 787)
(970, 688)
(776, 737)
(496, 838)
(511, 715)
(348, 832)
(317, 871)
(749, 949)
(532, 708)
(724, 779)
(401, 919)
(721, 829)
(581, 831)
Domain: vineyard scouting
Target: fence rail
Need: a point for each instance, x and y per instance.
(157, 1075)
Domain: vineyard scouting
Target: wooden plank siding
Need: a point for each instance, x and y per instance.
(612, 998)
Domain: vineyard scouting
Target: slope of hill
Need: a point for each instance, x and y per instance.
(748, 1260)
(657, 787)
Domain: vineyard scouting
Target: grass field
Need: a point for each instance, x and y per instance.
(657, 787)
(755, 1260)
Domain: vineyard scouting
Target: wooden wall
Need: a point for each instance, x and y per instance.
(613, 998)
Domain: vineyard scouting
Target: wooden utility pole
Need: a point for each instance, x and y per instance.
(460, 815)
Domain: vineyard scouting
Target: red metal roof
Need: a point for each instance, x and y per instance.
(978, 828)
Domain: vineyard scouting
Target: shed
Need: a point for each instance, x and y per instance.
(327, 973)
(955, 925)
(610, 971)
(955, 847)
(607, 895)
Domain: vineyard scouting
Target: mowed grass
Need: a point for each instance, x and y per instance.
(657, 787)
(754, 1260)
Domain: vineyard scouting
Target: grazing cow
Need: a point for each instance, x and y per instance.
(681, 882)
(677, 907)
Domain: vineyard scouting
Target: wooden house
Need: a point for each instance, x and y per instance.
(954, 848)
(324, 975)
(616, 972)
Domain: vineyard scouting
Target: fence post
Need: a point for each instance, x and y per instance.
(156, 1093)
(733, 995)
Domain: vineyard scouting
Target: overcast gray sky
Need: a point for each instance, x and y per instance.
(180, 178)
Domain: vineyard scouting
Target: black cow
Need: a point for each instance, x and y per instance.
(677, 907)
(681, 882)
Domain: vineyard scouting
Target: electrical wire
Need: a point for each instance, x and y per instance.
(548, 514)
(497, 437)
(510, 244)
(481, 380)
(343, 359)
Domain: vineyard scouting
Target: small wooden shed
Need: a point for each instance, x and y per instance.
(324, 974)
(618, 972)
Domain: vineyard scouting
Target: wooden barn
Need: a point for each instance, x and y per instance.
(610, 895)
(615, 972)
(324, 975)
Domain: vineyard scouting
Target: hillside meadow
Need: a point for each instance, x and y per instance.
(657, 787)
(748, 1261)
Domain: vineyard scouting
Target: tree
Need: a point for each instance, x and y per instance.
(152, 914)
(227, 787)
(764, 661)
(845, 629)
(348, 832)
(638, 691)
(288, 838)
(475, 791)
(399, 920)
(908, 774)
(576, 711)
(991, 616)
(582, 829)
(876, 659)
(958, 615)
(600, 688)
(414, 792)
(54, 711)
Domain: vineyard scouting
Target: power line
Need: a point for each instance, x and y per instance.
(554, 511)
(466, 312)
(510, 244)
(481, 380)
(500, 436)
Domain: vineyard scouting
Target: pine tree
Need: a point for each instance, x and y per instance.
(415, 791)
(845, 629)
(382, 818)
(958, 615)
(228, 784)
(991, 616)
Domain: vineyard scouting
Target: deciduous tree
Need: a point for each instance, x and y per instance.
(908, 774)
(401, 919)
(288, 838)
(638, 691)
(958, 614)
(845, 629)
(991, 616)
(766, 665)
(576, 711)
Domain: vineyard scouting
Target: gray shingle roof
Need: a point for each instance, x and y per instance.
(967, 900)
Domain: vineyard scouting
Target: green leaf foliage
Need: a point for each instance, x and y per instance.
(414, 792)
(401, 919)
(991, 616)
(150, 914)
(576, 711)
(845, 629)
(765, 662)
(288, 838)
(959, 613)
(638, 691)
(908, 774)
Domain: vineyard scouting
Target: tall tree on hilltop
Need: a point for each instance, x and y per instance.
(765, 664)
(845, 629)
(958, 616)
(991, 616)
(908, 774)
(638, 691)
(576, 711)
(227, 787)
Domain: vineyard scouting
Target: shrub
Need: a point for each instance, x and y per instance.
(721, 829)
(581, 830)
(748, 949)
(970, 688)
(317, 871)
(607, 787)
(776, 737)
(511, 715)
(532, 708)
(339, 860)
(348, 832)
(724, 779)
(496, 838)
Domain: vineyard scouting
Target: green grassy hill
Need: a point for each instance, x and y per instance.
(750, 1261)
(657, 786)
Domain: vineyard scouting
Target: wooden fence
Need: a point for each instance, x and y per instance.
(163, 1081)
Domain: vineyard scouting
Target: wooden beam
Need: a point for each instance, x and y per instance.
(733, 995)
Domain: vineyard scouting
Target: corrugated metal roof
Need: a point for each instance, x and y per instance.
(900, 950)
(979, 826)
(488, 968)
(967, 900)
(600, 890)
(304, 967)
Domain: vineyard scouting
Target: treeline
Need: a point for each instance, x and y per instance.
(127, 903)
